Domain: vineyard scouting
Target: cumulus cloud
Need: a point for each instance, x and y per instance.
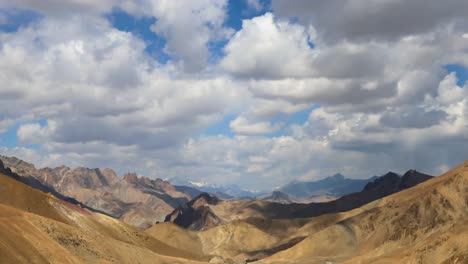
(376, 86)
(34, 133)
(364, 20)
(94, 80)
(412, 117)
(188, 27)
(61, 8)
(241, 125)
(267, 48)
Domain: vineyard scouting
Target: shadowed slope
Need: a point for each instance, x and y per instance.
(198, 215)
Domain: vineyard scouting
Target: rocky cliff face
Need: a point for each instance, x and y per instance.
(138, 201)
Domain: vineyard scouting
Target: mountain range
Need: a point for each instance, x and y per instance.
(230, 191)
(206, 211)
(409, 218)
(39, 227)
(333, 186)
(425, 223)
(141, 201)
(138, 201)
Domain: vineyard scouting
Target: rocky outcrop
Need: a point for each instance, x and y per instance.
(196, 214)
(139, 201)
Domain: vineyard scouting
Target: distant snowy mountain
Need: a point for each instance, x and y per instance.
(231, 191)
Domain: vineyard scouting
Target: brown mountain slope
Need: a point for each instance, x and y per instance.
(244, 240)
(427, 223)
(38, 228)
(424, 224)
(204, 211)
(138, 201)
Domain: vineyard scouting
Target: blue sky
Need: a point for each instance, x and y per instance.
(460, 71)
(15, 18)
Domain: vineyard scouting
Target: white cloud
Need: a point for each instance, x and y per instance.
(34, 133)
(92, 80)
(61, 8)
(255, 4)
(364, 20)
(241, 125)
(268, 48)
(381, 97)
(188, 27)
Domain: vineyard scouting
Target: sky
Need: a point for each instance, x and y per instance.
(248, 92)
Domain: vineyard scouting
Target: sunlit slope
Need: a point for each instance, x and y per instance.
(38, 228)
(248, 239)
(424, 224)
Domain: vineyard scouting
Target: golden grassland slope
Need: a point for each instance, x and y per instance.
(424, 224)
(38, 228)
(248, 239)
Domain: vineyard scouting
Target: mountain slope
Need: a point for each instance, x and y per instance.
(279, 197)
(194, 215)
(335, 186)
(135, 200)
(36, 227)
(283, 198)
(424, 224)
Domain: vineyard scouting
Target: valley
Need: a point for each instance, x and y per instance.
(413, 217)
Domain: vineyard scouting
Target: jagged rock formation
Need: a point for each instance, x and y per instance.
(196, 214)
(139, 201)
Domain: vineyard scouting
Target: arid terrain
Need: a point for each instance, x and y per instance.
(37, 227)
(135, 200)
(234, 131)
(413, 223)
(424, 224)
(206, 211)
